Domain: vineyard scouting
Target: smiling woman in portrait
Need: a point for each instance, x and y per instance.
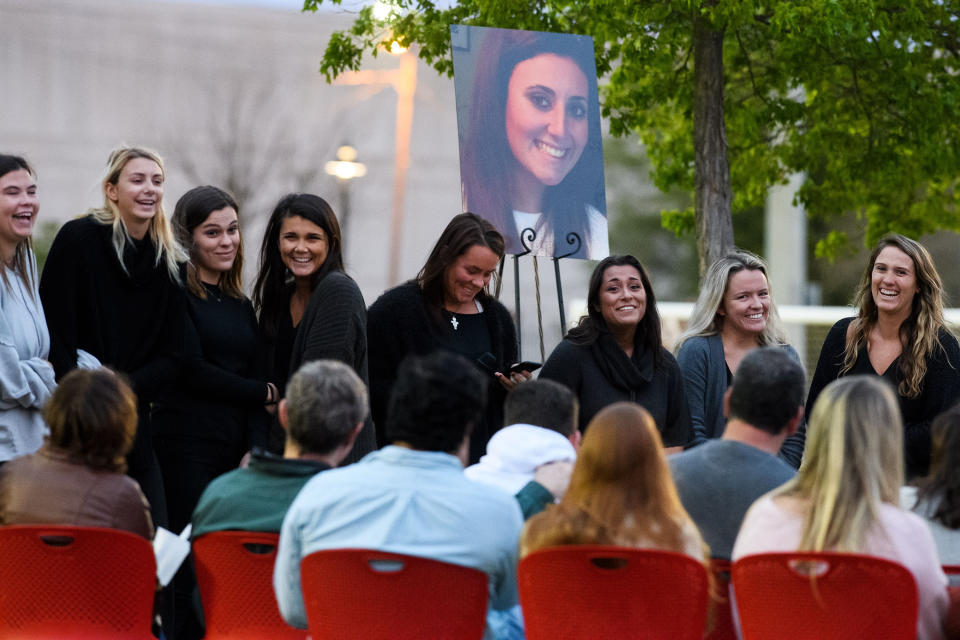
(899, 333)
(532, 158)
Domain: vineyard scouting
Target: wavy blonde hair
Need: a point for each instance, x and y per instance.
(705, 320)
(160, 232)
(921, 328)
(621, 490)
(853, 462)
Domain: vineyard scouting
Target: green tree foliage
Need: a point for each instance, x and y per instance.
(863, 97)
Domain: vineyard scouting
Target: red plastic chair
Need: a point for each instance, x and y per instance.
(75, 583)
(723, 628)
(824, 596)
(578, 592)
(375, 595)
(235, 576)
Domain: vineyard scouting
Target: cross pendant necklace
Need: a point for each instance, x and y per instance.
(453, 321)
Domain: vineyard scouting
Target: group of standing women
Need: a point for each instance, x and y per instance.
(162, 304)
(899, 334)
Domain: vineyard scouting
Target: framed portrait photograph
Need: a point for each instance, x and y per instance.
(531, 157)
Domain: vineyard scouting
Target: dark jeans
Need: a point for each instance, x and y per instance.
(189, 465)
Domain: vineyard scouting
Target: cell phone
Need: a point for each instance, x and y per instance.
(526, 365)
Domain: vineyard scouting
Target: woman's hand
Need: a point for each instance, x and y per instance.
(273, 396)
(515, 378)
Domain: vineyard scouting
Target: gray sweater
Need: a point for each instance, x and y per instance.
(717, 483)
(26, 378)
(704, 370)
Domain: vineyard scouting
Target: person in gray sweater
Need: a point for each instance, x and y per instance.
(734, 314)
(719, 480)
(26, 377)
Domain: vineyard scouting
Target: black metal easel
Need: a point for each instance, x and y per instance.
(527, 237)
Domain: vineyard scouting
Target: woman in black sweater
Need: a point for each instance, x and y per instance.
(615, 353)
(899, 334)
(111, 295)
(203, 425)
(447, 307)
(308, 307)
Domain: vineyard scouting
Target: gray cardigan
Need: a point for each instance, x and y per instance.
(704, 371)
(26, 378)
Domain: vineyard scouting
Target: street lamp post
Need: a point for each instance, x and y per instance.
(345, 168)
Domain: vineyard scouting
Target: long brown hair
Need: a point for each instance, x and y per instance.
(942, 486)
(93, 418)
(647, 337)
(919, 333)
(192, 209)
(462, 232)
(271, 293)
(621, 491)
(489, 164)
(23, 255)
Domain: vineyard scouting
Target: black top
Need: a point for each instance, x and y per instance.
(402, 322)
(286, 336)
(130, 321)
(940, 389)
(333, 326)
(585, 369)
(221, 390)
(470, 336)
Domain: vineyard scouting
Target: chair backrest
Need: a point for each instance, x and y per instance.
(362, 593)
(592, 591)
(235, 576)
(824, 596)
(721, 621)
(75, 583)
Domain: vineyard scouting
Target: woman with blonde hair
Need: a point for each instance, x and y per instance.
(111, 291)
(734, 314)
(898, 333)
(26, 377)
(621, 492)
(845, 496)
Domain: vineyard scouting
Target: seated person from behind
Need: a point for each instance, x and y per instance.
(410, 497)
(541, 419)
(324, 410)
(844, 497)
(620, 493)
(77, 477)
(936, 498)
(719, 480)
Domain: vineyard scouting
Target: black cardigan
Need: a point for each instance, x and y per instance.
(399, 323)
(334, 326)
(131, 322)
(940, 390)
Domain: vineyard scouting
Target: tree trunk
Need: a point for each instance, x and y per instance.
(711, 169)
